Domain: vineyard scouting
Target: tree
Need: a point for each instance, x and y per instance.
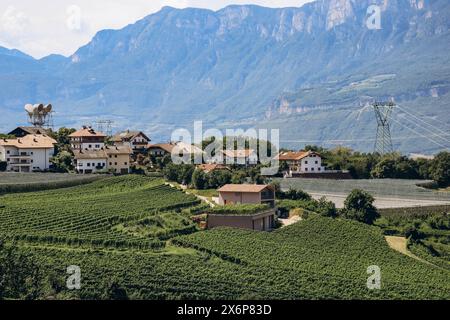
(359, 206)
(62, 162)
(199, 180)
(440, 169)
(326, 208)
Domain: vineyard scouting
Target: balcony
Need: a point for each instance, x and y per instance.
(20, 156)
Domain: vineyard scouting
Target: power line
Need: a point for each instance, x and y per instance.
(424, 116)
(433, 134)
(421, 135)
(429, 124)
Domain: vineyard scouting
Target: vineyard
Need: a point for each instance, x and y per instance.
(323, 258)
(26, 182)
(137, 232)
(99, 214)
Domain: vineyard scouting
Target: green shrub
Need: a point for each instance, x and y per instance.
(241, 209)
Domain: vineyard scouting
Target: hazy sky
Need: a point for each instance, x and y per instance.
(42, 27)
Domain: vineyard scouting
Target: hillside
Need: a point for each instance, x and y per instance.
(290, 68)
(130, 231)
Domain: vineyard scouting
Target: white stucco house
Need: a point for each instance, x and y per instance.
(302, 162)
(27, 154)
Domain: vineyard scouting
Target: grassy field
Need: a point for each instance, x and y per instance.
(392, 188)
(136, 231)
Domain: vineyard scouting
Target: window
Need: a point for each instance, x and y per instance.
(90, 146)
(320, 169)
(115, 163)
(110, 156)
(312, 169)
(115, 156)
(110, 163)
(125, 163)
(306, 162)
(97, 146)
(306, 169)
(317, 162)
(88, 164)
(31, 152)
(7, 152)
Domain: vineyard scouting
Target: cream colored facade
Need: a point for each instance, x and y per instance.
(120, 163)
(27, 154)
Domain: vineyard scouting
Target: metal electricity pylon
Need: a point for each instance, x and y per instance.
(383, 111)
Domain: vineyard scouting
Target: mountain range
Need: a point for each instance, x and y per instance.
(309, 71)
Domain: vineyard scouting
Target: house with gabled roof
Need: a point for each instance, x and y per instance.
(87, 138)
(136, 140)
(302, 161)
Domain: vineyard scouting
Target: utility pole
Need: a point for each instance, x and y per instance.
(383, 111)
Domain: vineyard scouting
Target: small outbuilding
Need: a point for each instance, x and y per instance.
(247, 194)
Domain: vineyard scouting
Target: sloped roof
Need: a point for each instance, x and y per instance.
(31, 141)
(90, 154)
(250, 188)
(212, 166)
(295, 156)
(128, 135)
(30, 130)
(87, 132)
(242, 153)
(118, 150)
(168, 147)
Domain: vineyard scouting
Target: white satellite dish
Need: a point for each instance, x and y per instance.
(29, 108)
(40, 108)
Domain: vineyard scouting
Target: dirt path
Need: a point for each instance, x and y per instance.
(288, 222)
(400, 244)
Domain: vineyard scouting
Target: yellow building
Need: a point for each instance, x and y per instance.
(118, 159)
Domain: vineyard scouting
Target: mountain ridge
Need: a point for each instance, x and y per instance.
(248, 66)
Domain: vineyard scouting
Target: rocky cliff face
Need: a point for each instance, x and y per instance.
(242, 65)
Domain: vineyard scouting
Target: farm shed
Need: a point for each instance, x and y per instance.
(261, 221)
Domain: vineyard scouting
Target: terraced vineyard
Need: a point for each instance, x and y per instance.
(93, 214)
(324, 258)
(111, 228)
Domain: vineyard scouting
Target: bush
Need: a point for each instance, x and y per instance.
(359, 206)
(240, 209)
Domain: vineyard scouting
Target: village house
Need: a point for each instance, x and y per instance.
(211, 167)
(30, 153)
(87, 139)
(21, 132)
(119, 159)
(246, 157)
(302, 162)
(180, 148)
(160, 150)
(89, 161)
(114, 159)
(247, 194)
(232, 194)
(136, 140)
